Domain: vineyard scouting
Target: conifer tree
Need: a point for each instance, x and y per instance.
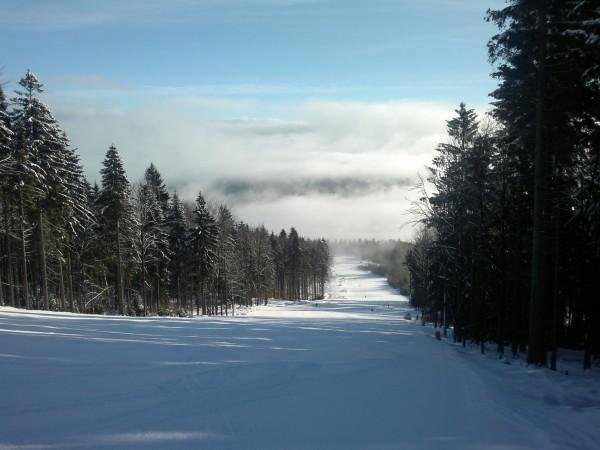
(225, 255)
(86, 248)
(177, 238)
(7, 195)
(37, 146)
(278, 265)
(154, 181)
(153, 204)
(202, 244)
(544, 53)
(294, 264)
(115, 219)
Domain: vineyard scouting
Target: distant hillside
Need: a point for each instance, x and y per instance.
(384, 258)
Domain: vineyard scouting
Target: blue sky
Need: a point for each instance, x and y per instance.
(368, 50)
(302, 69)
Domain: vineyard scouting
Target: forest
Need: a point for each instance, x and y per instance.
(132, 249)
(509, 250)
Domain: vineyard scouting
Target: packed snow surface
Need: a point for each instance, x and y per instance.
(348, 372)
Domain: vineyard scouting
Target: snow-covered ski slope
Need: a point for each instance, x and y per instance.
(350, 373)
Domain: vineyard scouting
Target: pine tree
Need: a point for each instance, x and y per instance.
(202, 246)
(265, 271)
(37, 143)
(279, 266)
(293, 264)
(543, 49)
(521, 197)
(154, 181)
(177, 238)
(91, 264)
(153, 202)
(225, 255)
(7, 194)
(148, 218)
(282, 243)
(322, 265)
(115, 218)
(90, 249)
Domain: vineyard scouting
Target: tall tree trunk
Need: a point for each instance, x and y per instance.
(120, 288)
(62, 285)
(1, 290)
(503, 268)
(536, 346)
(587, 345)
(233, 304)
(9, 260)
(10, 276)
(43, 268)
(144, 302)
(158, 298)
(555, 312)
(70, 280)
(225, 299)
(143, 257)
(178, 281)
(202, 299)
(24, 251)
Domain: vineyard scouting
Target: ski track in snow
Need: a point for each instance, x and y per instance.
(347, 372)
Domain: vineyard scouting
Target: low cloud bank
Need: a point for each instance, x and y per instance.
(321, 157)
(243, 190)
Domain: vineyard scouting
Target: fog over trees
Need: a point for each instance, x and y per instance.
(131, 248)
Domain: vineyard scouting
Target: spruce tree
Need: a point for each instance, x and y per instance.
(37, 143)
(7, 194)
(152, 238)
(225, 255)
(177, 238)
(279, 266)
(115, 218)
(153, 179)
(202, 244)
(293, 256)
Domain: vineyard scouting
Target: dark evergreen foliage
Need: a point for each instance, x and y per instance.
(136, 249)
(510, 251)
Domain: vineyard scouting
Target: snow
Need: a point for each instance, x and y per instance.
(347, 372)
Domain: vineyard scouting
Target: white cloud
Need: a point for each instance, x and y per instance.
(381, 215)
(315, 143)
